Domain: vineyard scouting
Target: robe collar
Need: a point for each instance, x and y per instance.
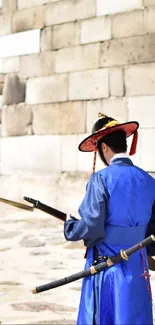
(121, 159)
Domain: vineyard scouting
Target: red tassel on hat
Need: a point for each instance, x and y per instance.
(134, 144)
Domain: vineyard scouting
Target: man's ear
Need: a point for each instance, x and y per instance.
(104, 146)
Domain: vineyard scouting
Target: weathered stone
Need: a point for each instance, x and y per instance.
(66, 35)
(90, 84)
(2, 77)
(128, 24)
(115, 107)
(149, 18)
(64, 118)
(84, 159)
(77, 58)
(47, 89)
(47, 39)
(5, 24)
(27, 19)
(69, 10)
(37, 65)
(14, 90)
(36, 307)
(40, 251)
(96, 29)
(1, 88)
(116, 82)
(112, 6)
(10, 64)
(147, 149)
(138, 49)
(20, 43)
(149, 3)
(9, 5)
(8, 234)
(68, 146)
(140, 80)
(31, 241)
(32, 3)
(36, 154)
(138, 106)
(1, 104)
(16, 119)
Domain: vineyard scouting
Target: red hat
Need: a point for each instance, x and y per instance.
(105, 125)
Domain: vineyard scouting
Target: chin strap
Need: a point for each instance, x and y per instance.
(134, 144)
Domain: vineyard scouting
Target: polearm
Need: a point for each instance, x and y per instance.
(124, 255)
(38, 205)
(45, 208)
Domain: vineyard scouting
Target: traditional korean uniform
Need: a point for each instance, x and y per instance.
(116, 212)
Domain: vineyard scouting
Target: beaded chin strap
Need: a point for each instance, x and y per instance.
(100, 115)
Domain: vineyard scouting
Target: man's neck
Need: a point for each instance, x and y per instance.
(119, 155)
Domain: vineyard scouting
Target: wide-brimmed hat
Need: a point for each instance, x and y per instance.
(105, 125)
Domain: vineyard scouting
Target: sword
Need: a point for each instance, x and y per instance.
(96, 268)
(47, 209)
(17, 204)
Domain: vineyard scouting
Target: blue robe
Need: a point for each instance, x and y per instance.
(116, 212)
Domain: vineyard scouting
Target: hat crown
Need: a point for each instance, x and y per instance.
(101, 123)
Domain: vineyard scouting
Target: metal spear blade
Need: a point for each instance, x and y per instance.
(17, 204)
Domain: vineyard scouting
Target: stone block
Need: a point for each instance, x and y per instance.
(112, 6)
(69, 153)
(14, 90)
(1, 101)
(9, 5)
(116, 82)
(1, 88)
(77, 58)
(128, 24)
(96, 29)
(136, 159)
(90, 84)
(114, 107)
(16, 120)
(47, 39)
(63, 118)
(66, 35)
(149, 18)
(140, 80)
(32, 3)
(47, 89)
(27, 19)
(5, 24)
(148, 3)
(138, 49)
(141, 109)
(35, 154)
(84, 159)
(10, 65)
(34, 65)
(148, 149)
(2, 78)
(69, 10)
(20, 43)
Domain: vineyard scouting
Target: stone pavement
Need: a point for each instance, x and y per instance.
(33, 252)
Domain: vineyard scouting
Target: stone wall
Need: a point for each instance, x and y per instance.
(63, 61)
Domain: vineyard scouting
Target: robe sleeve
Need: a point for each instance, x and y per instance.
(151, 231)
(92, 211)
